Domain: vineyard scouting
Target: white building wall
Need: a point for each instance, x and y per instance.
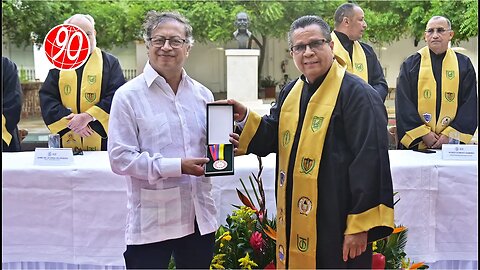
(207, 62)
(21, 56)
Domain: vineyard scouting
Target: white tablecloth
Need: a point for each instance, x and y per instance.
(76, 214)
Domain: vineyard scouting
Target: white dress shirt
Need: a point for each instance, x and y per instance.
(150, 130)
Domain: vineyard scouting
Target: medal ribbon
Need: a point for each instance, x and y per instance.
(217, 151)
(214, 151)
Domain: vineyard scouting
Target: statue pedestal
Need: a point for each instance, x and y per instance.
(242, 78)
(242, 74)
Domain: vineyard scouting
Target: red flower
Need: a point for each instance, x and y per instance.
(270, 266)
(378, 261)
(256, 241)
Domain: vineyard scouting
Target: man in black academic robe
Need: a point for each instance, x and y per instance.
(81, 123)
(349, 28)
(412, 126)
(11, 106)
(353, 184)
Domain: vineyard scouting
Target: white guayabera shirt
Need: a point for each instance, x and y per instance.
(150, 130)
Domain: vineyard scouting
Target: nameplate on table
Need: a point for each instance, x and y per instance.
(53, 156)
(460, 151)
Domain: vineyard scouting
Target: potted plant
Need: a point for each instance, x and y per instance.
(269, 85)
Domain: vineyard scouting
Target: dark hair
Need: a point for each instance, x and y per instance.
(305, 21)
(344, 10)
(154, 19)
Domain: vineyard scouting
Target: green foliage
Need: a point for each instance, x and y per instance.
(243, 243)
(120, 22)
(268, 81)
(23, 75)
(393, 248)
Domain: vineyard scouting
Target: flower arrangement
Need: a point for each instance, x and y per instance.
(248, 239)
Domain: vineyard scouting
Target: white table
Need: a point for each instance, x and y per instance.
(439, 205)
(75, 215)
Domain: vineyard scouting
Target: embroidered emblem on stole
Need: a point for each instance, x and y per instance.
(281, 253)
(286, 138)
(427, 93)
(316, 123)
(446, 121)
(304, 205)
(450, 74)
(427, 117)
(302, 243)
(307, 165)
(359, 66)
(67, 89)
(92, 79)
(90, 97)
(449, 96)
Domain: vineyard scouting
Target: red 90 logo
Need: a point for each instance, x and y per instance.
(67, 46)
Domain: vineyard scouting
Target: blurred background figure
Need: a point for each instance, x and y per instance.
(11, 106)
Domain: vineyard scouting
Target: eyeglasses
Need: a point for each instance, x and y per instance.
(314, 45)
(175, 42)
(439, 30)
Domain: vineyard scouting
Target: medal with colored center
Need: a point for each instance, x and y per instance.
(217, 152)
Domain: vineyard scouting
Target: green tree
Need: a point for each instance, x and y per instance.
(120, 22)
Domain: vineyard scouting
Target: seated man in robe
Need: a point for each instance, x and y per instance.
(436, 96)
(76, 103)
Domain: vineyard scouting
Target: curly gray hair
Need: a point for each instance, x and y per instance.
(154, 19)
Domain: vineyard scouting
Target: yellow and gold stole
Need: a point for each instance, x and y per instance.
(359, 58)
(90, 90)
(301, 252)
(6, 136)
(427, 96)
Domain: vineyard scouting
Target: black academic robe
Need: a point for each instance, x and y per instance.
(354, 173)
(51, 103)
(406, 96)
(12, 103)
(376, 77)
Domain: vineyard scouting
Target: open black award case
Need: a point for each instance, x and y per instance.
(219, 149)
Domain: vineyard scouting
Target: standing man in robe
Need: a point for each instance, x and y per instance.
(436, 96)
(11, 106)
(157, 139)
(76, 103)
(360, 58)
(334, 187)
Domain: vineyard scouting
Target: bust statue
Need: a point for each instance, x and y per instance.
(242, 35)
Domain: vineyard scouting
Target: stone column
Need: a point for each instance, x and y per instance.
(242, 79)
(242, 74)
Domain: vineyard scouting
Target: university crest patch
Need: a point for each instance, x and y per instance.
(67, 89)
(316, 123)
(90, 97)
(92, 79)
(449, 96)
(286, 138)
(281, 253)
(427, 93)
(307, 165)
(450, 74)
(302, 243)
(427, 117)
(359, 66)
(304, 205)
(445, 121)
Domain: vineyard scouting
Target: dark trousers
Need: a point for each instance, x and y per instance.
(193, 251)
